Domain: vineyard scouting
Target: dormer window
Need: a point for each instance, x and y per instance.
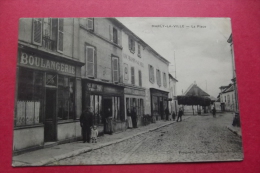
(90, 24)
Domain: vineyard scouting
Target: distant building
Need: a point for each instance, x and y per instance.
(227, 98)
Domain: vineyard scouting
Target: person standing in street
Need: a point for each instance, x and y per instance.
(180, 113)
(86, 121)
(173, 115)
(129, 119)
(134, 117)
(214, 112)
(167, 114)
(109, 122)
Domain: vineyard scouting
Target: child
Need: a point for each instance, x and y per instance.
(94, 134)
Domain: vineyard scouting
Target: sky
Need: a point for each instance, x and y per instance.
(197, 47)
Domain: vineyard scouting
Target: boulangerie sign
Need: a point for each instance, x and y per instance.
(169, 94)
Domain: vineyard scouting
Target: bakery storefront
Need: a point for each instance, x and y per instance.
(101, 96)
(159, 102)
(48, 93)
(134, 97)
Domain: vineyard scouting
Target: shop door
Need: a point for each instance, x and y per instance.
(50, 116)
(107, 104)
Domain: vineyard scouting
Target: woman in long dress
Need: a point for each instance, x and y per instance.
(129, 119)
(109, 122)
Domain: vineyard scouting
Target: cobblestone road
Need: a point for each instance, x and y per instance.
(198, 138)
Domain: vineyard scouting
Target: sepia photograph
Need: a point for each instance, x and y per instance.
(125, 90)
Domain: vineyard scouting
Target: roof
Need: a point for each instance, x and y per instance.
(170, 75)
(122, 26)
(194, 90)
(230, 89)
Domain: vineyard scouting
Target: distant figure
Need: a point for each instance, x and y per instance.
(173, 115)
(86, 121)
(129, 119)
(109, 122)
(134, 117)
(167, 113)
(214, 112)
(180, 113)
(94, 134)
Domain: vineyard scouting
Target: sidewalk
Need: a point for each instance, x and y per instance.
(48, 155)
(236, 130)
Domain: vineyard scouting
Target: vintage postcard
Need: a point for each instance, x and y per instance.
(93, 91)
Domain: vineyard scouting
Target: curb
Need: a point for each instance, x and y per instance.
(235, 132)
(86, 149)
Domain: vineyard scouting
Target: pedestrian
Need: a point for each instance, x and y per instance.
(129, 119)
(94, 134)
(166, 111)
(214, 112)
(180, 113)
(173, 115)
(109, 122)
(134, 117)
(86, 121)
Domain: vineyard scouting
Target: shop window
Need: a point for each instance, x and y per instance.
(131, 44)
(140, 77)
(90, 61)
(164, 80)
(151, 74)
(132, 75)
(96, 108)
(30, 98)
(116, 108)
(139, 51)
(66, 98)
(158, 77)
(90, 24)
(51, 79)
(115, 69)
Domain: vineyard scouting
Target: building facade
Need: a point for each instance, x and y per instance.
(68, 64)
(228, 99)
(48, 87)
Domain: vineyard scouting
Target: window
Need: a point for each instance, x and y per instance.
(158, 77)
(126, 75)
(96, 108)
(90, 24)
(116, 108)
(66, 98)
(151, 74)
(140, 77)
(115, 36)
(48, 33)
(225, 99)
(139, 51)
(115, 69)
(131, 44)
(90, 61)
(228, 99)
(30, 98)
(164, 80)
(132, 75)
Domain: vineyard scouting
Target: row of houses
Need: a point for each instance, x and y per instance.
(67, 64)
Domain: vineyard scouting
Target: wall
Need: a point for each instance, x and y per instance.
(229, 106)
(28, 137)
(104, 47)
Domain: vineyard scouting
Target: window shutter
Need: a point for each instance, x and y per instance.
(60, 35)
(140, 78)
(129, 43)
(110, 33)
(132, 75)
(37, 31)
(90, 61)
(151, 74)
(118, 37)
(90, 23)
(115, 69)
(133, 46)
